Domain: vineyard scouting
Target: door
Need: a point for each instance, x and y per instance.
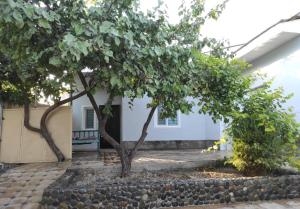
(112, 126)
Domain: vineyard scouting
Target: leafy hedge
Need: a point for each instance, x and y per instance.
(264, 132)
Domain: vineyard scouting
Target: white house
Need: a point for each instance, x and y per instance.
(276, 53)
(184, 131)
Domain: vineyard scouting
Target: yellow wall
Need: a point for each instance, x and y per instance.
(20, 145)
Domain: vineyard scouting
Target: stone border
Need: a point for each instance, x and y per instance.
(139, 193)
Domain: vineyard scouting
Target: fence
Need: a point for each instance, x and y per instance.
(20, 145)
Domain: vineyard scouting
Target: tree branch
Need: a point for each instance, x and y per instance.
(108, 103)
(102, 120)
(27, 119)
(144, 133)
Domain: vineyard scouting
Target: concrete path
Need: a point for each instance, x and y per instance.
(23, 186)
(277, 204)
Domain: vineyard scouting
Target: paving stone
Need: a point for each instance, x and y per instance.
(31, 206)
(35, 199)
(4, 200)
(23, 186)
(19, 200)
(8, 195)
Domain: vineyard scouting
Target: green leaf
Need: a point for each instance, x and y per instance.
(158, 51)
(114, 81)
(117, 41)
(54, 61)
(78, 28)
(19, 19)
(129, 37)
(69, 39)
(17, 15)
(106, 26)
(139, 92)
(83, 47)
(29, 11)
(108, 53)
(106, 59)
(12, 3)
(44, 23)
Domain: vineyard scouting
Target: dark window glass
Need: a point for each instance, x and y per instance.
(89, 118)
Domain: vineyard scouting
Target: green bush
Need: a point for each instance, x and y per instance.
(264, 133)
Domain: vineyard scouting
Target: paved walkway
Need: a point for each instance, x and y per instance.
(23, 186)
(277, 204)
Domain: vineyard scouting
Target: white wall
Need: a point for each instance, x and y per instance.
(191, 127)
(80, 103)
(283, 65)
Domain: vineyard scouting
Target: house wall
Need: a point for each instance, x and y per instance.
(80, 103)
(191, 127)
(283, 65)
(20, 145)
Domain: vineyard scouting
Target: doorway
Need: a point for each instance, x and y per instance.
(113, 126)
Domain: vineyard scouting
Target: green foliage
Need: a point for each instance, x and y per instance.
(264, 133)
(219, 83)
(28, 36)
(295, 162)
(45, 43)
(10, 93)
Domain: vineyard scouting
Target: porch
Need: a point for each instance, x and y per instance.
(86, 140)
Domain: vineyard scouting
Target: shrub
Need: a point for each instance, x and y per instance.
(263, 131)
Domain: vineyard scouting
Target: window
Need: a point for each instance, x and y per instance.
(166, 122)
(89, 120)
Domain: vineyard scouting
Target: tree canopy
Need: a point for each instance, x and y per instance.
(45, 45)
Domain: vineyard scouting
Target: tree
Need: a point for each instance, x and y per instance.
(163, 62)
(127, 53)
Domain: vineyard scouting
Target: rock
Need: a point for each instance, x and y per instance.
(63, 205)
(145, 197)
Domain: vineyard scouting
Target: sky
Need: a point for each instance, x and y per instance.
(241, 19)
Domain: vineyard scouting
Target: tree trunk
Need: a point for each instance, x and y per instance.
(125, 161)
(50, 141)
(143, 134)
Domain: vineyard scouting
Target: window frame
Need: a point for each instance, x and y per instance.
(157, 125)
(83, 117)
